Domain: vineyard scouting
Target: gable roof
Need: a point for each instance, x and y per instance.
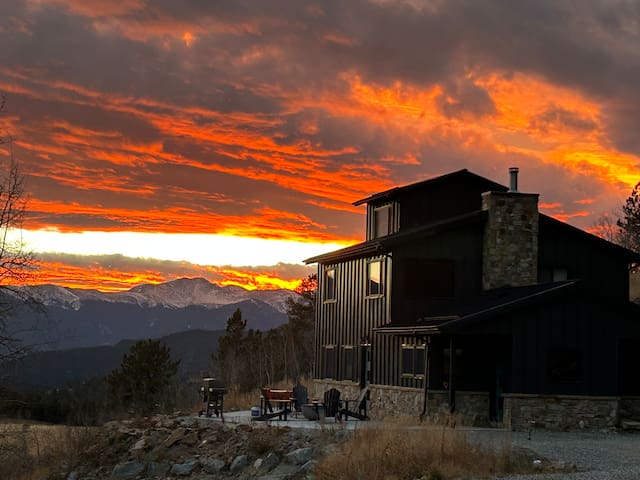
(448, 177)
(382, 244)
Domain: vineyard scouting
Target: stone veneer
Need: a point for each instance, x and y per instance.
(385, 401)
(560, 412)
(630, 408)
(510, 250)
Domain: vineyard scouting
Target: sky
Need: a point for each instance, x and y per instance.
(228, 140)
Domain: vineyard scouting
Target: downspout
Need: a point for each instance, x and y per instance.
(425, 377)
(452, 391)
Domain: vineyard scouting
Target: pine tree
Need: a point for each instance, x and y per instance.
(143, 376)
(629, 224)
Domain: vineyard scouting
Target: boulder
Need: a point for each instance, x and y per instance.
(175, 437)
(212, 465)
(184, 469)
(270, 462)
(299, 456)
(127, 470)
(157, 469)
(239, 463)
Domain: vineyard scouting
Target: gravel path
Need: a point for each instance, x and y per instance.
(600, 456)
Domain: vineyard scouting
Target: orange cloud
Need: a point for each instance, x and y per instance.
(99, 274)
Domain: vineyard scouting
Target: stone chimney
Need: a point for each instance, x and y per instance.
(510, 251)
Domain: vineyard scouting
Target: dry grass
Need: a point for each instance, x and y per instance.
(29, 451)
(235, 400)
(395, 452)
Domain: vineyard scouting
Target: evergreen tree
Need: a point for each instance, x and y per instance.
(629, 224)
(229, 357)
(143, 377)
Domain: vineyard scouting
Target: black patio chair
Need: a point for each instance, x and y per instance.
(332, 402)
(359, 409)
(300, 396)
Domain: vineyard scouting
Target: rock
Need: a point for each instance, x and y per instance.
(281, 472)
(139, 445)
(299, 456)
(212, 465)
(270, 462)
(308, 467)
(175, 437)
(184, 469)
(190, 439)
(127, 470)
(257, 464)
(157, 469)
(73, 476)
(239, 463)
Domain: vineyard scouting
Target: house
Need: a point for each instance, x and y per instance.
(464, 298)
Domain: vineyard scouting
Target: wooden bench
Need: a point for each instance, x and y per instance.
(275, 403)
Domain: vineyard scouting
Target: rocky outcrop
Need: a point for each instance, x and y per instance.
(172, 447)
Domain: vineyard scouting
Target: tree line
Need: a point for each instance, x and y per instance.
(247, 359)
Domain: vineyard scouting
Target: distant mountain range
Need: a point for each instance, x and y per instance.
(73, 318)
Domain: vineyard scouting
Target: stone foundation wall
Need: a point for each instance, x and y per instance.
(560, 412)
(472, 408)
(630, 408)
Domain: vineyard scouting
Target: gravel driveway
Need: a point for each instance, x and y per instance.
(600, 456)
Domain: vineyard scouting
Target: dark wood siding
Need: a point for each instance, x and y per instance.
(352, 315)
(584, 259)
(462, 247)
(577, 325)
(441, 201)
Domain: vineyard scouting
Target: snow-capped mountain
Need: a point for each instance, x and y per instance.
(70, 318)
(180, 293)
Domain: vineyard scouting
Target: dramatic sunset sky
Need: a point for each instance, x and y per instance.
(228, 139)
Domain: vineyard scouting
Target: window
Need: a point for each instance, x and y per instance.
(429, 278)
(382, 221)
(548, 274)
(374, 278)
(347, 363)
(564, 365)
(412, 361)
(330, 285)
(329, 361)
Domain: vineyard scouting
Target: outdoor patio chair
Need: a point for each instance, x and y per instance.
(332, 402)
(359, 406)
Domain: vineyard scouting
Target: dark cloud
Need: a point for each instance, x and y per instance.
(233, 108)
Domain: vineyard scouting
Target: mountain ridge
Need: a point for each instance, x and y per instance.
(178, 293)
(73, 318)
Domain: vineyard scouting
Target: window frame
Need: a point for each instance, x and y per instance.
(329, 295)
(325, 373)
(380, 290)
(347, 369)
(417, 370)
(389, 213)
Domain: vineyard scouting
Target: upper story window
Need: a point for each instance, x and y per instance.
(330, 285)
(382, 221)
(375, 286)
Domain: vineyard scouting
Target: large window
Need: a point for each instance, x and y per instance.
(412, 361)
(329, 361)
(347, 363)
(374, 278)
(330, 285)
(382, 221)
